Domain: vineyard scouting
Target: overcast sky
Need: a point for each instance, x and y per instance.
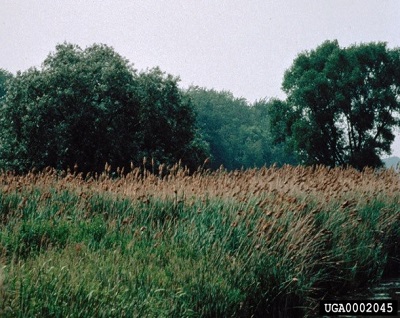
(241, 46)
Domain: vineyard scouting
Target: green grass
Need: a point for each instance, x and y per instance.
(71, 250)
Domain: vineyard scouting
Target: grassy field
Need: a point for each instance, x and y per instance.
(266, 242)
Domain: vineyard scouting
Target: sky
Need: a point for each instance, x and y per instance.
(243, 46)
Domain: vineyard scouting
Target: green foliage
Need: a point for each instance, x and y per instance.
(89, 107)
(219, 117)
(342, 105)
(36, 236)
(4, 77)
(167, 121)
(84, 252)
(237, 133)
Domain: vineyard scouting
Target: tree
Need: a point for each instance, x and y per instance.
(273, 151)
(342, 104)
(167, 121)
(4, 76)
(89, 107)
(237, 132)
(219, 117)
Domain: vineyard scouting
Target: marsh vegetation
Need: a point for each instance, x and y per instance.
(269, 241)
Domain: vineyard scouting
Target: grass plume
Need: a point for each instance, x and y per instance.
(210, 244)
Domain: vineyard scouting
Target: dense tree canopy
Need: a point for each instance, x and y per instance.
(167, 121)
(89, 107)
(4, 76)
(342, 104)
(219, 117)
(237, 132)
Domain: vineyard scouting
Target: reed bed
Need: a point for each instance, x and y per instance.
(263, 242)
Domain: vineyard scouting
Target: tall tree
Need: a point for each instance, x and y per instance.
(89, 107)
(273, 151)
(342, 104)
(167, 121)
(4, 76)
(236, 131)
(220, 117)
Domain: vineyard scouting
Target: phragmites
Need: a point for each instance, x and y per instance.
(297, 227)
(284, 183)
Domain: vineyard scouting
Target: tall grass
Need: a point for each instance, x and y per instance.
(267, 242)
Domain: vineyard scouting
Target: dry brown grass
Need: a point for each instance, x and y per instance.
(283, 185)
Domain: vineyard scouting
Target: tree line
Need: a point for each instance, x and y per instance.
(87, 107)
